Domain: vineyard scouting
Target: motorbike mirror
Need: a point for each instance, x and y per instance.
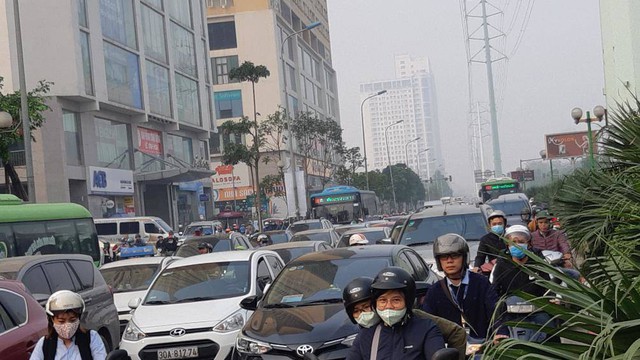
(446, 354)
(118, 355)
(134, 303)
(180, 233)
(249, 303)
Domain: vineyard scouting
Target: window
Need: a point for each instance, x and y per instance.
(180, 11)
(158, 89)
(184, 51)
(107, 229)
(228, 104)
(123, 76)
(113, 144)
(214, 144)
(59, 276)
(151, 228)
(155, 3)
(276, 265)
(180, 147)
(153, 34)
(222, 35)
(86, 63)
(73, 146)
(36, 282)
(82, 13)
(221, 67)
(219, 3)
(84, 270)
(188, 100)
(129, 228)
(15, 305)
(202, 150)
(264, 277)
(116, 17)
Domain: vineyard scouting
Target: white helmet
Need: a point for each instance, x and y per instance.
(64, 300)
(358, 239)
(518, 229)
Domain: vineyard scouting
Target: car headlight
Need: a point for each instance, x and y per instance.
(133, 332)
(348, 341)
(250, 346)
(232, 323)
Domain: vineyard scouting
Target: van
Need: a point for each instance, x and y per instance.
(149, 227)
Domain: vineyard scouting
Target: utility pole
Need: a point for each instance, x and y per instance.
(497, 159)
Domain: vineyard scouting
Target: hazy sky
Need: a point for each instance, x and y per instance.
(557, 66)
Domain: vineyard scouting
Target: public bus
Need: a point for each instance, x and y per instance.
(32, 229)
(344, 204)
(494, 187)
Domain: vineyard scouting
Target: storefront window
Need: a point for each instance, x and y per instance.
(113, 144)
(73, 145)
(179, 147)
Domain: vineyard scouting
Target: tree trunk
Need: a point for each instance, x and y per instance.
(256, 144)
(16, 184)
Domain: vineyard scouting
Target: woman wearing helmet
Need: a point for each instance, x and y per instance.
(400, 334)
(357, 302)
(490, 244)
(66, 339)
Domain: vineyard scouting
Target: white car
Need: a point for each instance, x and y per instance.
(130, 279)
(192, 309)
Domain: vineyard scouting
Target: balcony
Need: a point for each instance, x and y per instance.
(16, 158)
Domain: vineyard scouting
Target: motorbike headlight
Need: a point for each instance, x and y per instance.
(133, 332)
(232, 323)
(251, 346)
(348, 341)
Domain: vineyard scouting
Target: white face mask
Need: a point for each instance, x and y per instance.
(391, 317)
(67, 330)
(368, 319)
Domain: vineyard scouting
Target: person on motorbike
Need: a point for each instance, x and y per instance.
(160, 245)
(138, 241)
(204, 248)
(358, 239)
(547, 238)
(462, 295)
(491, 244)
(400, 334)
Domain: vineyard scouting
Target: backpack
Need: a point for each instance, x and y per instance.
(83, 340)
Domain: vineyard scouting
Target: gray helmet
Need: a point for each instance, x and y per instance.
(451, 244)
(497, 213)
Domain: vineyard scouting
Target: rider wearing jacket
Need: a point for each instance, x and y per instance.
(490, 244)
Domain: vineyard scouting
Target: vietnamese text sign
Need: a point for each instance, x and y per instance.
(150, 141)
(226, 194)
(228, 176)
(566, 145)
(110, 181)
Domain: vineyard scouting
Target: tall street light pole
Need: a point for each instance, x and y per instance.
(364, 143)
(406, 150)
(418, 160)
(292, 154)
(599, 112)
(386, 140)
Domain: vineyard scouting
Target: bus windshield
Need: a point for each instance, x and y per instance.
(336, 213)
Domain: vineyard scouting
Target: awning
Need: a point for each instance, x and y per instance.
(173, 175)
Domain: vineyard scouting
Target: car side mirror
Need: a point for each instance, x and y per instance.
(134, 303)
(385, 241)
(446, 354)
(249, 303)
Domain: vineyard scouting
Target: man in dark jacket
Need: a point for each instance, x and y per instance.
(491, 244)
(400, 334)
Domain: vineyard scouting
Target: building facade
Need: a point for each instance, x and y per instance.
(131, 105)
(621, 50)
(254, 31)
(410, 97)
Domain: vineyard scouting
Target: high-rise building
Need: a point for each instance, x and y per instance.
(131, 107)
(254, 31)
(410, 97)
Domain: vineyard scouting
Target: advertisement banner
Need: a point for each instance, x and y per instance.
(566, 145)
(229, 176)
(302, 199)
(227, 194)
(110, 181)
(150, 141)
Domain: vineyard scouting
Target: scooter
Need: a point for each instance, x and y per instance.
(519, 309)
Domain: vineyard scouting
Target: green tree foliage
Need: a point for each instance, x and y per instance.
(409, 189)
(352, 160)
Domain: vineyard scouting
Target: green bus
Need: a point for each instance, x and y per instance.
(494, 187)
(32, 229)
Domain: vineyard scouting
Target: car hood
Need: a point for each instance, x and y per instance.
(121, 300)
(313, 325)
(154, 318)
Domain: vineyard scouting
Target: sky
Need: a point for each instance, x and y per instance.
(557, 66)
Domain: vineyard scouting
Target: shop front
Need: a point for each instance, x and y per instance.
(111, 192)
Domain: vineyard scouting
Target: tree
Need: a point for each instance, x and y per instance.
(330, 147)
(273, 128)
(352, 161)
(36, 101)
(409, 184)
(252, 73)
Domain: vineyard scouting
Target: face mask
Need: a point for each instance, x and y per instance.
(368, 319)
(67, 330)
(391, 317)
(497, 229)
(517, 251)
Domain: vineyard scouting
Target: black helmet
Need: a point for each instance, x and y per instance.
(205, 245)
(451, 244)
(395, 278)
(357, 290)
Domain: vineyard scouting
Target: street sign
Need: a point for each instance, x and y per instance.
(567, 145)
(204, 197)
(524, 175)
(481, 176)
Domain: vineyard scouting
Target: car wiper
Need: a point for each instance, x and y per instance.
(199, 298)
(420, 243)
(157, 302)
(278, 306)
(321, 301)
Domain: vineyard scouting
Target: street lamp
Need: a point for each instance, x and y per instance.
(599, 111)
(406, 150)
(292, 155)
(418, 161)
(364, 143)
(5, 120)
(386, 140)
(543, 155)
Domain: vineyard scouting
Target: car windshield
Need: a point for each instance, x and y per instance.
(164, 225)
(319, 281)
(372, 237)
(279, 238)
(191, 248)
(130, 278)
(510, 207)
(342, 229)
(200, 282)
(293, 253)
(204, 229)
(294, 228)
(426, 230)
(320, 236)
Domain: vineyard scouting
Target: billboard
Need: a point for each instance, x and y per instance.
(229, 176)
(524, 175)
(568, 145)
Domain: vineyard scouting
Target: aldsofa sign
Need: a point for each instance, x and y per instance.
(229, 176)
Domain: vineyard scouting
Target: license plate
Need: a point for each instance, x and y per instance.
(178, 353)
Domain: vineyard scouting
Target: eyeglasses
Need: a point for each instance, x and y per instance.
(454, 256)
(359, 309)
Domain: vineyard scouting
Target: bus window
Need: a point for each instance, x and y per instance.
(7, 247)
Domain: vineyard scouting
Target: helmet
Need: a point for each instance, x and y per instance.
(518, 229)
(264, 240)
(227, 230)
(395, 278)
(358, 239)
(543, 214)
(359, 289)
(64, 300)
(497, 213)
(451, 244)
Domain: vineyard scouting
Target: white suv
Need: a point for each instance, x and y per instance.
(192, 309)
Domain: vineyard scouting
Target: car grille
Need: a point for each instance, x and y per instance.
(291, 353)
(207, 349)
(187, 331)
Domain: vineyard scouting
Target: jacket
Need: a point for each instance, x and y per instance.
(509, 277)
(554, 240)
(490, 246)
(415, 338)
(479, 305)
(453, 334)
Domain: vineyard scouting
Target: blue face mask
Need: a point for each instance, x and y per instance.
(517, 251)
(497, 229)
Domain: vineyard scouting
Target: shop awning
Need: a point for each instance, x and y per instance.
(174, 175)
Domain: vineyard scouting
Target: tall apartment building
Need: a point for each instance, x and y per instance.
(131, 107)
(254, 31)
(410, 97)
